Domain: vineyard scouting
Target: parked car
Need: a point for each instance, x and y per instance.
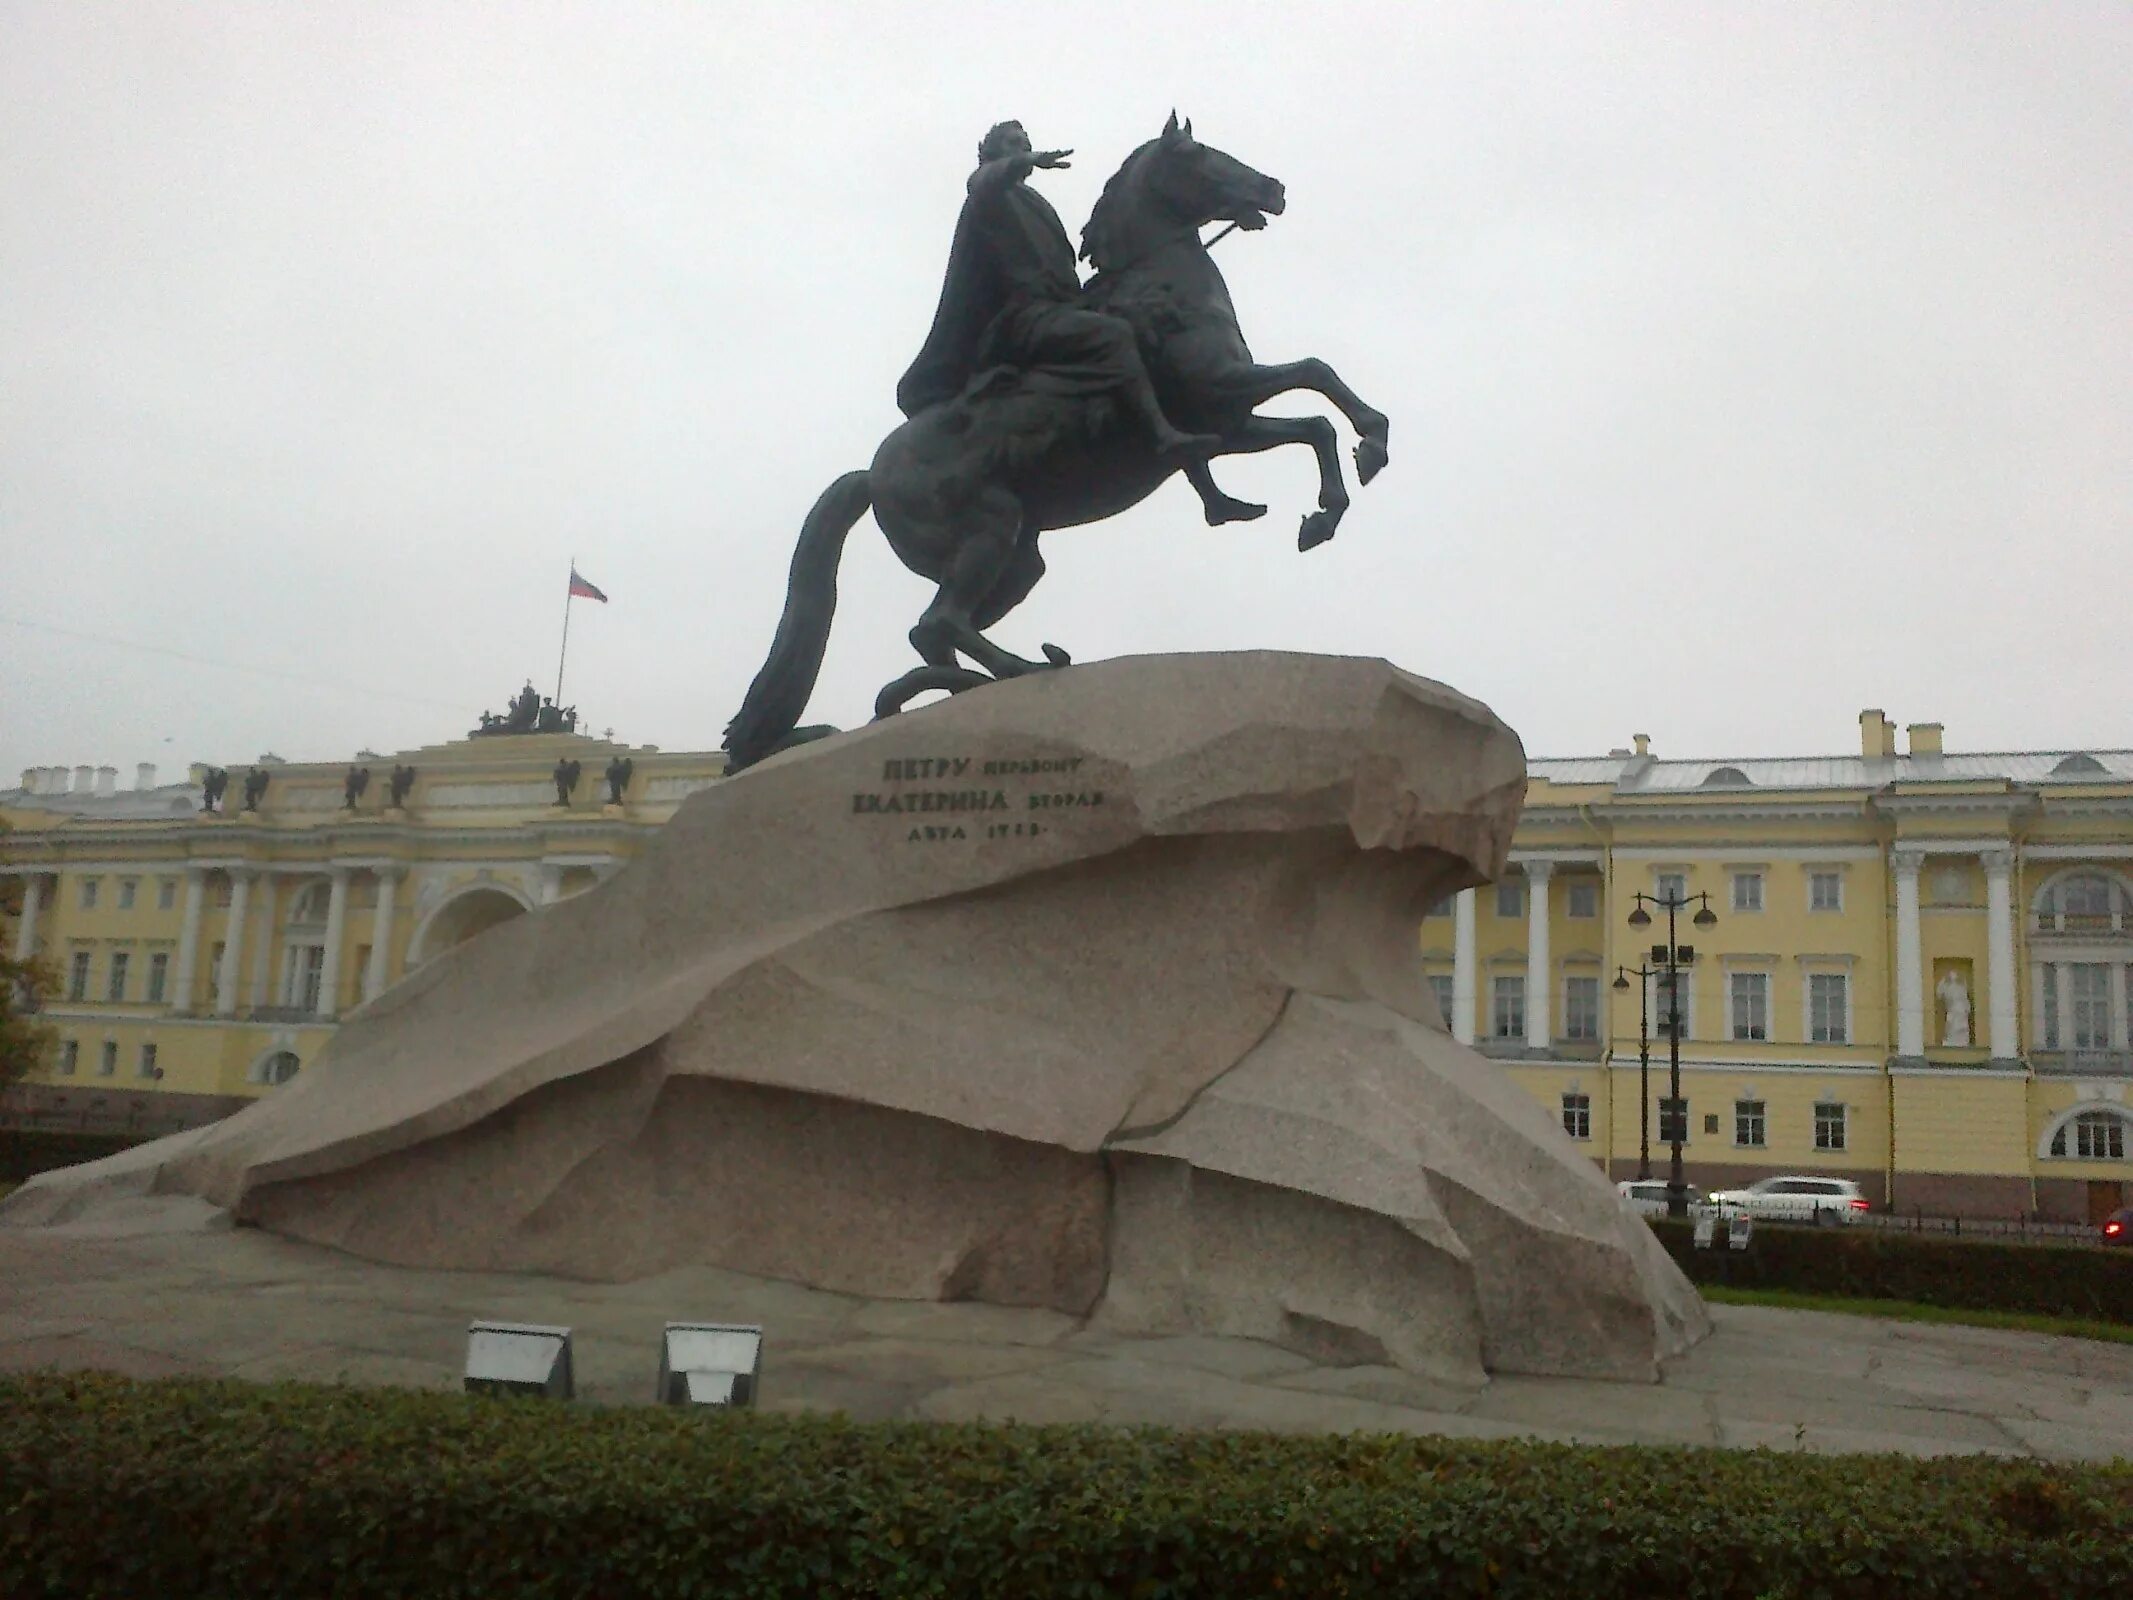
(2118, 1226)
(1824, 1201)
(1647, 1196)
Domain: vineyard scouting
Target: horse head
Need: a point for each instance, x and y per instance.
(1171, 186)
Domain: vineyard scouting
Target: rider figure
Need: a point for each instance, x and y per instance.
(1012, 297)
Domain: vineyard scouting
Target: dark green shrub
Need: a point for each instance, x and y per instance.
(220, 1489)
(1873, 1264)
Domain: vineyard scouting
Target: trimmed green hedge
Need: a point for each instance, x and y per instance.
(1877, 1264)
(113, 1487)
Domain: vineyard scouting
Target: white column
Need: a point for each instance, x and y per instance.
(377, 975)
(329, 988)
(262, 988)
(2000, 953)
(233, 942)
(1463, 967)
(2118, 1005)
(26, 930)
(1910, 986)
(1539, 984)
(2062, 973)
(189, 937)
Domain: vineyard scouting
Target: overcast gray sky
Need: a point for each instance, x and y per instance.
(1747, 364)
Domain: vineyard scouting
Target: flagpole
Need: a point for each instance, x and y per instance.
(563, 654)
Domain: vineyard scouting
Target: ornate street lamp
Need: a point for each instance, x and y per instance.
(1677, 1191)
(1644, 1058)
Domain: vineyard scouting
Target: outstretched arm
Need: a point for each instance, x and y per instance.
(996, 174)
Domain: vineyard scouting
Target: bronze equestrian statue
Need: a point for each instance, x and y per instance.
(1029, 410)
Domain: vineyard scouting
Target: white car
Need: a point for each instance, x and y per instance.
(1647, 1196)
(1823, 1201)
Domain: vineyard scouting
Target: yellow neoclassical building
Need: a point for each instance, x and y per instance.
(1917, 976)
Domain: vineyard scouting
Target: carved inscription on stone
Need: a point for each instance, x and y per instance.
(972, 797)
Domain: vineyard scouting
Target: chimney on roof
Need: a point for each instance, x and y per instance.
(1925, 738)
(1877, 735)
(1643, 742)
(144, 775)
(84, 779)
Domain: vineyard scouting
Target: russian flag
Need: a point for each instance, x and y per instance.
(581, 590)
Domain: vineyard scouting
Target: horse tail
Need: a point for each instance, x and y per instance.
(771, 708)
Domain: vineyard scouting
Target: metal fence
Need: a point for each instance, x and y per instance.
(2000, 1230)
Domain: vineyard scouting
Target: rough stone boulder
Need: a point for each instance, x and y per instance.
(1098, 989)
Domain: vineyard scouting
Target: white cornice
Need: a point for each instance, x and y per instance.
(1750, 854)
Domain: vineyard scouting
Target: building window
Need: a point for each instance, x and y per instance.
(1673, 1120)
(1672, 886)
(1581, 1008)
(279, 1067)
(1829, 1125)
(2098, 1136)
(1584, 898)
(2048, 1007)
(1508, 1012)
(107, 1061)
(78, 976)
(1748, 1124)
(115, 989)
(1511, 898)
(128, 888)
(166, 893)
(1577, 1115)
(1440, 985)
(1828, 1008)
(69, 1057)
(1665, 1024)
(158, 976)
(88, 893)
(148, 1061)
(1748, 995)
(1825, 891)
(306, 976)
(2089, 998)
(1747, 891)
(214, 973)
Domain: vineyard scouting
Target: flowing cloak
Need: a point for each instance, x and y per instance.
(1010, 296)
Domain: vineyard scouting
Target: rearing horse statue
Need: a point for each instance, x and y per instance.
(963, 489)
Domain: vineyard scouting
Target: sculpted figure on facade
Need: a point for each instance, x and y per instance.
(255, 787)
(213, 784)
(1954, 997)
(354, 786)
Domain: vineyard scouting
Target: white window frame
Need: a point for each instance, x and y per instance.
(1660, 875)
(166, 893)
(1841, 1122)
(107, 1059)
(89, 887)
(158, 992)
(1657, 1014)
(2087, 1009)
(1827, 969)
(1733, 1021)
(129, 891)
(1444, 987)
(1742, 878)
(1836, 875)
(69, 1057)
(81, 967)
(1589, 889)
(1496, 982)
(1576, 1114)
(1661, 1102)
(2096, 1122)
(1598, 1010)
(118, 967)
(1760, 1117)
(145, 1066)
(1513, 891)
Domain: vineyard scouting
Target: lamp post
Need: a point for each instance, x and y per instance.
(1644, 1059)
(1677, 1191)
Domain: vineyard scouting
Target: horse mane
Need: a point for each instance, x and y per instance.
(1096, 240)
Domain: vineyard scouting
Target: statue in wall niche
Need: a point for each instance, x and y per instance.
(619, 772)
(353, 787)
(213, 783)
(1955, 1013)
(1042, 402)
(255, 787)
(566, 780)
(397, 785)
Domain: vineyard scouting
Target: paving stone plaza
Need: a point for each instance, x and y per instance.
(150, 1296)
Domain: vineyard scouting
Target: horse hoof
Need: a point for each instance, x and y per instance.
(1229, 510)
(1370, 459)
(1057, 657)
(1317, 528)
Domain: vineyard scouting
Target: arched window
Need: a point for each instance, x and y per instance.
(2097, 1136)
(277, 1068)
(1726, 777)
(312, 904)
(2079, 765)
